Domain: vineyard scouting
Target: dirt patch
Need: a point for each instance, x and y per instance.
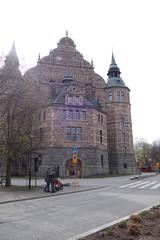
(145, 226)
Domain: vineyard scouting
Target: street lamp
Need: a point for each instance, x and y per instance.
(30, 163)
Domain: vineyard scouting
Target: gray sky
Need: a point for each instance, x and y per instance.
(129, 27)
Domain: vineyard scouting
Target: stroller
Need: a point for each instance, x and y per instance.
(57, 184)
(53, 183)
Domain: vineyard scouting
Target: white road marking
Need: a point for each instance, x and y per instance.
(149, 184)
(130, 184)
(156, 186)
(139, 184)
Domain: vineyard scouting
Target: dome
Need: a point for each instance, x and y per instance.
(66, 42)
(115, 82)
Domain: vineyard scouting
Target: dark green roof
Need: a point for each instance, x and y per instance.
(115, 82)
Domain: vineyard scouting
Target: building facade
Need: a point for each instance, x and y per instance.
(86, 115)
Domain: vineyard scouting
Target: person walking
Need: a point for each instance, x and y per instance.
(48, 181)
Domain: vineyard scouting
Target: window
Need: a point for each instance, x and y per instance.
(120, 96)
(63, 114)
(100, 132)
(73, 133)
(44, 115)
(123, 139)
(77, 100)
(70, 114)
(99, 118)
(83, 115)
(41, 134)
(125, 151)
(77, 115)
(125, 165)
(70, 100)
(102, 161)
(110, 97)
(122, 124)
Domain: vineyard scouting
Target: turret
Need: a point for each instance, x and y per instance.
(119, 125)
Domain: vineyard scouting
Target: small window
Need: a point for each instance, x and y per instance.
(83, 115)
(63, 114)
(125, 151)
(99, 118)
(122, 97)
(100, 132)
(70, 100)
(125, 165)
(102, 161)
(118, 96)
(77, 100)
(110, 97)
(123, 139)
(70, 114)
(44, 115)
(77, 115)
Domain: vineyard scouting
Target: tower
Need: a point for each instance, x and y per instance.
(119, 125)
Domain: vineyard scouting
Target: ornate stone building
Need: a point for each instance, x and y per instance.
(85, 114)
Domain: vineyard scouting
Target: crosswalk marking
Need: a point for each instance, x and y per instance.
(130, 184)
(142, 185)
(156, 186)
(148, 184)
(139, 184)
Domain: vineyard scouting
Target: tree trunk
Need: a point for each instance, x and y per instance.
(8, 172)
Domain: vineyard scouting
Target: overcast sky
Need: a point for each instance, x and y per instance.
(130, 27)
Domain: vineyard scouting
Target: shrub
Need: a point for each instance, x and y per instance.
(136, 218)
(144, 213)
(134, 229)
(123, 224)
(110, 233)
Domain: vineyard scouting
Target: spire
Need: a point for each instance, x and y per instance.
(39, 57)
(68, 77)
(66, 33)
(13, 50)
(92, 65)
(114, 78)
(113, 69)
(12, 58)
(113, 62)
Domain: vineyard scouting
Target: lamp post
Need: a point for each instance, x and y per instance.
(30, 164)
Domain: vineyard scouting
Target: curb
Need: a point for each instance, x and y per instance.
(53, 195)
(94, 230)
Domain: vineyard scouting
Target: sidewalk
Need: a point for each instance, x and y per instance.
(8, 195)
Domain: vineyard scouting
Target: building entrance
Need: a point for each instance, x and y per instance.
(72, 169)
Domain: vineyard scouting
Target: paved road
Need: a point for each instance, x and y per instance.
(61, 217)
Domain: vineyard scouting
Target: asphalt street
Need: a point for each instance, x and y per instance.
(65, 216)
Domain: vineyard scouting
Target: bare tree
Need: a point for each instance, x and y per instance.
(155, 153)
(19, 115)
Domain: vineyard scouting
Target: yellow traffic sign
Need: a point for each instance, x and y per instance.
(74, 158)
